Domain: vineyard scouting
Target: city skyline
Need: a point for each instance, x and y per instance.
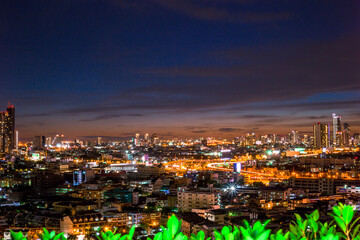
(220, 68)
(338, 136)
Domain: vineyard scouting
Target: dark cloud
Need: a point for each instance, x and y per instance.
(211, 10)
(111, 116)
(272, 74)
(264, 75)
(230, 129)
(199, 131)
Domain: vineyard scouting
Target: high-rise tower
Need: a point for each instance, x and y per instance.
(336, 129)
(346, 134)
(7, 129)
(321, 135)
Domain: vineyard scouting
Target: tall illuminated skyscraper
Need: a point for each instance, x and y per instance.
(346, 134)
(7, 129)
(294, 137)
(321, 135)
(2, 127)
(16, 139)
(137, 139)
(336, 129)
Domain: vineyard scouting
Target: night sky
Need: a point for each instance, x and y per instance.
(179, 67)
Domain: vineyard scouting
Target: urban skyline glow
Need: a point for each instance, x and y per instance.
(220, 68)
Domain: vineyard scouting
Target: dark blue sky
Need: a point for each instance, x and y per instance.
(179, 67)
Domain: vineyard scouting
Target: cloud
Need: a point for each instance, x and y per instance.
(211, 10)
(111, 116)
(230, 129)
(199, 131)
(258, 75)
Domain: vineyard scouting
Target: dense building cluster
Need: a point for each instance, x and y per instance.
(82, 187)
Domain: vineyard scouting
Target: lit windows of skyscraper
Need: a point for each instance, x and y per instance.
(321, 135)
(7, 129)
(154, 139)
(16, 139)
(137, 139)
(39, 142)
(346, 134)
(295, 137)
(337, 134)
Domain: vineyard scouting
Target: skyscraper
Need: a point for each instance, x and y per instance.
(154, 139)
(16, 139)
(7, 129)
(336, 129)
(39, 142)
(346, 134)
(321, 135)
(294, 137)
(137, 140)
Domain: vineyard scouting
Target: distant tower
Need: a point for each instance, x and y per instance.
(16, 139)
(154, 139)
(137, 139)
(99, 141)
(7, 129)
(295, 137)
(39, 142)
(321, 135)
(336, 129)
(346, 134)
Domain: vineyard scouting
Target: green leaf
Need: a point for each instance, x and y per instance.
(315, 215)
(167, 235)
(293, 229)
(355, 231)
(225, 231)
(244, 232)
(337, 211)
(218, 235)
(341, 223)
(57, 237)
(264, 236)
(131, 233)
(158, 236)
(348, 214)
(201, 235)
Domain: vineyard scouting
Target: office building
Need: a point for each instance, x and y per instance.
(346, 134)
(295, 137)
(154, 139)
(39, 142)
(321, 185)
(321, 135)
(137, 140)
(336, 138)
(7, 129)
(16, 139)
(188, 200)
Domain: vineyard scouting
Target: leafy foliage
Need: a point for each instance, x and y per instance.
(52, 235)
(109, 235)
(344, 227)
(17, 236)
